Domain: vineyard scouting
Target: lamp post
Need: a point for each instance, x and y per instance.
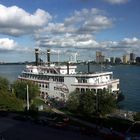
(27, 90)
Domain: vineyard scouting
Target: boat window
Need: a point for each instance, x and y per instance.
(61, 79)
(84, 80)
(87, 89)
(79, 80)
(77, 89)
(117, 85)
(82, 90)
(93, 90)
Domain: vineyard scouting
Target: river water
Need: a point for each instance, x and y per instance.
(129, 80)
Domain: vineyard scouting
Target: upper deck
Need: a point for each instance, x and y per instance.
(52, 69)
(61, 71)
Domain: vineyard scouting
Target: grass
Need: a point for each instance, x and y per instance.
(38, 102)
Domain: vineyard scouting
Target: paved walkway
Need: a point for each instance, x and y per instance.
(102, 130)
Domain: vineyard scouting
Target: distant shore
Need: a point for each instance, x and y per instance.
(16, 63)
(93, 63)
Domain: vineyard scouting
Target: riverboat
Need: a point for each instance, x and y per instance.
(58, 81)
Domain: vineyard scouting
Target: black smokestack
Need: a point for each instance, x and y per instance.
(36, 57)
(88, 67)
(48, 57)
(68, 68)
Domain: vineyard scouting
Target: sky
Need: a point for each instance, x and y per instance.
(68, 27)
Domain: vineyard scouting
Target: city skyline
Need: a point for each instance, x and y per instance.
(72, 26)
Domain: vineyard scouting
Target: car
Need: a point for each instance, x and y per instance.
(60, 124)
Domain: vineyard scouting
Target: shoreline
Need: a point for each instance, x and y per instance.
(124, 114)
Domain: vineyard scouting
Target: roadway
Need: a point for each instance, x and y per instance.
(27, 130)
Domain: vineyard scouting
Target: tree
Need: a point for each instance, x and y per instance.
(4, 85)
(20, 89)
(91, 103)
(8, 101)
(73, 101)
(87, 103)
(107, 103)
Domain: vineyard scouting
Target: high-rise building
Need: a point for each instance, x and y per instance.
(112, 60)
(132, 57)
(118, 60)
(126, 59)
(99, 57)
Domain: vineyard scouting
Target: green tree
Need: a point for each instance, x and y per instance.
(9, 102)
(107, 102)
(90, 103)
(4, 85)
(87, 103)
(20, 89)
(73, 101)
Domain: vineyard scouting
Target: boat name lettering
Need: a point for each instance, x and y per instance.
(62, 88)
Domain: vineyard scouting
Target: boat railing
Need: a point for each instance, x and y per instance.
(98, 83)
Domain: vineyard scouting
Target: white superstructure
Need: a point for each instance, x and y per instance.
(59, 81)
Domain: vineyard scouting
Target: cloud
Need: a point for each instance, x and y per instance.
(10, 45)
(130, 42)
(16, 21)
(76, 31)
(59, 28)
(116, 1)
(89, 43)
(69, 41)
(96, 24)
(85, 21)
(7, 44)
